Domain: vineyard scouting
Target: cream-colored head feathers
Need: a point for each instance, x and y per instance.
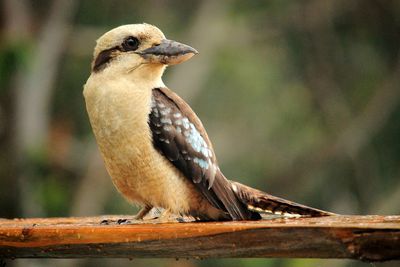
(139, 50)
(147, 33)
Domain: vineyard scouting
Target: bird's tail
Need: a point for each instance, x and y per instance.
(261, 202)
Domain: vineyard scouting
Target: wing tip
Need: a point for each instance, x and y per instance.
(263, 203)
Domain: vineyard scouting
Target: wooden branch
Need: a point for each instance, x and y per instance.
(369, 238)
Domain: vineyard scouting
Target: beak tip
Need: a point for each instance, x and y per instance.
(189, 49)
(168, 52)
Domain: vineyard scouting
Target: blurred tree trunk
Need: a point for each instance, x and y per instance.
(34, 86)
(17, 32)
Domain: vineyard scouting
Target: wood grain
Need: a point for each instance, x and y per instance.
(368, 238)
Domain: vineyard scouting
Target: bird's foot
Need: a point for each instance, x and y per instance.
(114, 221)
(167, 216)
(139, 216)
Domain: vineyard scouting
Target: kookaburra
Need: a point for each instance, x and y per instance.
(155, 148)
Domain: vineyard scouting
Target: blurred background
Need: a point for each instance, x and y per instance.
(300, 98)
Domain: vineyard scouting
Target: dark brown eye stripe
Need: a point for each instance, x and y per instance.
(103, 58)
(131, 43)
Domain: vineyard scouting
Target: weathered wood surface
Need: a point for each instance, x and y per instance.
(370, 238)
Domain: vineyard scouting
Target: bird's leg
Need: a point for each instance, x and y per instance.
(143, 212)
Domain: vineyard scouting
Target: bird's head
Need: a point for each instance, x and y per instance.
(130, 47)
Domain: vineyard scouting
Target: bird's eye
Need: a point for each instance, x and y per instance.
(130, 44)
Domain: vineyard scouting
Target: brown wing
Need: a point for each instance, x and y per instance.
(179, 135)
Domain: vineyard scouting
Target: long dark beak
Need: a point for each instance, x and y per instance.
(168, 52)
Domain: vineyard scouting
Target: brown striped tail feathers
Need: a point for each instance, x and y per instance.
(263, 203)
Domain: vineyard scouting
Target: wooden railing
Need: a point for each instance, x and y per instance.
(368, 238)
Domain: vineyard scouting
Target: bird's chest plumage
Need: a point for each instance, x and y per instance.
(119, 120)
